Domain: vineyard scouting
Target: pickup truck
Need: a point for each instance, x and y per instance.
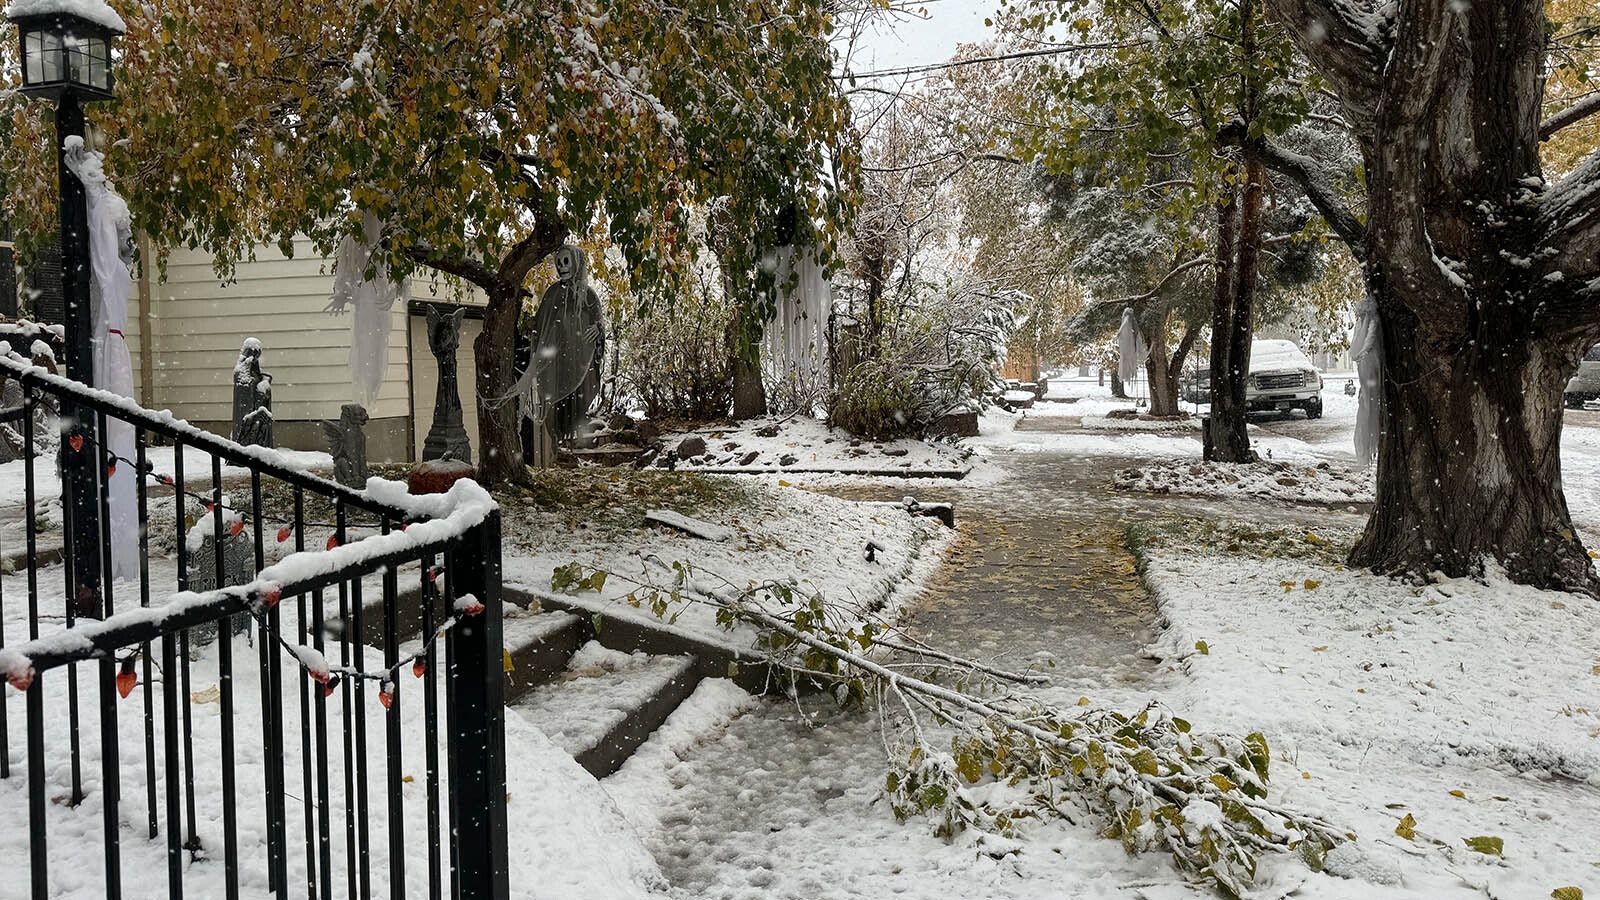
(1281, 379)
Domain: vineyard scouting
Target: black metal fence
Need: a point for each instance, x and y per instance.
(282, 734)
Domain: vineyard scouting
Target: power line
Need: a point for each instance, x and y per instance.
(979, 60)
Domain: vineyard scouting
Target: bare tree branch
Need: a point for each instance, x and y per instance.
(1160, 285)
(1572, 115)
(980, 60)
(461, 267)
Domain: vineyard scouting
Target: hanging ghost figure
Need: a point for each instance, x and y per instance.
(561, 372)
(110, 258)
(1366, 348)
(1131, 348)
(373, 299)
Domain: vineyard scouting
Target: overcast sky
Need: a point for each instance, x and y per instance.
(918, 42)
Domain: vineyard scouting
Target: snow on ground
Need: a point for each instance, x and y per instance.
(1183, 425)
(196, 471)
(804, 444)
(1135, 444)
(1319, 483)
(569, 839)
(1473, 708)
(781, 533)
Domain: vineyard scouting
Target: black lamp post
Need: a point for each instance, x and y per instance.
(67, 58)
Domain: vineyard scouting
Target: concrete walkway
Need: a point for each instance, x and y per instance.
(782, 804)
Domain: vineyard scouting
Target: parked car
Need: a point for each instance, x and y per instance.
(1585, 383)
(1281, 378)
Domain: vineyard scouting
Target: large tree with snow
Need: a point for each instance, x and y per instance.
(482, 132)
(1485, 269)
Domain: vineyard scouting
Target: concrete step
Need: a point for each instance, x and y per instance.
(605, 703)
(539, 646)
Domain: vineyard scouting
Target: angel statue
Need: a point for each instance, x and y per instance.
(347, 443)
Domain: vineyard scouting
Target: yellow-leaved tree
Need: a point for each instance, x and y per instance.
(482, 133)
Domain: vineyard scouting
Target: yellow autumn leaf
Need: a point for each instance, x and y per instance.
(1458, 793)
(1319, 649)
(1286, 585)
(1312, 585)
(1407, 828)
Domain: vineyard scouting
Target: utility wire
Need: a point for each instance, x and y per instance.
(979, 60)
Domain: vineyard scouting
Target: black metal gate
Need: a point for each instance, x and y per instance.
(280, 735)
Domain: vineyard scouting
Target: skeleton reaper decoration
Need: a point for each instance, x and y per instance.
(561, 362)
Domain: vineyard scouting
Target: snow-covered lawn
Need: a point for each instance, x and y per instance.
(779, 533)
(1471, 708)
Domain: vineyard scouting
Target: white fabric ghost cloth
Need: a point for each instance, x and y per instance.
(796, 337)
(1131, 348)
(373, 301)
(1366, 348)
(110, 255)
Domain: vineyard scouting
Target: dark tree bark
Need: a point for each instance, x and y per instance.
(1225, 438)
(749, 392)
(1166, 372)
(1163, 379)
(1484, 275)
(1117, 390)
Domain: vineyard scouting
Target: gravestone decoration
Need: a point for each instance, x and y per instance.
(252, 397)
(238, 562)
(447, 436)
(561, 371)
(347, 442)
(11, 440)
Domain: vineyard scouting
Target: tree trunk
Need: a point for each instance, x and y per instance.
(1478, 264)
(500, 459)
(1469, 463)
(1117, 389)
(1167, 379)
(495, 350)
(1162, 374)
(749, 393)
(1226, 439)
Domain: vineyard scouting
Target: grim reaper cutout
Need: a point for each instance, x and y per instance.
(561, 362)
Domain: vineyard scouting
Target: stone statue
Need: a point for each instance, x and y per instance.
(252, 397)
(347, 441)
(565, 350)
(447, 434)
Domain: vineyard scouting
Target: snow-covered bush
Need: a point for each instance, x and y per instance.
(935, 350)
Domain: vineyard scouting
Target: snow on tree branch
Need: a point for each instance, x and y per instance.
(1317, 184)
(1570, 116)
(1346, 41)
(1570, 216)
